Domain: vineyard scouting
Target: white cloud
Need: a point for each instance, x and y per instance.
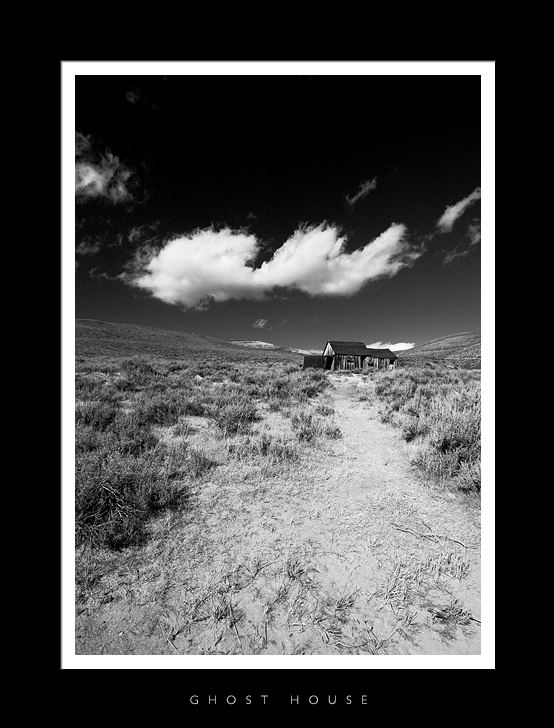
(132, 96)
(401, 346)
(99, 175)
(474, 232)
(87, 246)
(363, 190)
(217, 265)
(259, 323)
(453, 212)
(456, 254)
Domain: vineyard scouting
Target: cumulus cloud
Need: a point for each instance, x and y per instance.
(363, 190)
(99, 175)
(401, 346)
(218, 265)
(446, 222)
(259, 323)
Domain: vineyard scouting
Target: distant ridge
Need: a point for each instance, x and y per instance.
(254, 344)
(461, 350)
(98, 338)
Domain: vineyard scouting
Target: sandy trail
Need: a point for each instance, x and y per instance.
(311, 562)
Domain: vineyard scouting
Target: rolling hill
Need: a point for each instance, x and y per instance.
(102, 338)
(461, 350)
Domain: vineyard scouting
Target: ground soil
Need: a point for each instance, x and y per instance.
(349, 551)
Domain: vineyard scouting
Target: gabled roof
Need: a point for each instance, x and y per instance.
(354, 348)
(358, 348)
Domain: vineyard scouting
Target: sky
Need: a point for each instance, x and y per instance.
(287, 209)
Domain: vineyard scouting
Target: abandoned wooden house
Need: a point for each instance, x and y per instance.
(348, 355)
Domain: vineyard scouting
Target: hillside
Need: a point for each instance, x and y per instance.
(101, 338)
(254, 344)
(462, 350)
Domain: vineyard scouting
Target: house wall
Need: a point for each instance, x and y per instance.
(343, 362)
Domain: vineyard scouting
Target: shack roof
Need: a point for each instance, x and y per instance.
(381, 353)
(354, 348)
(358, 348)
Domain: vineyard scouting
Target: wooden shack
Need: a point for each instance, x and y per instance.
(348, 355)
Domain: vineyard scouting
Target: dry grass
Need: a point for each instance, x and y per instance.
(176, 462)
(125, 474)
(439, 411)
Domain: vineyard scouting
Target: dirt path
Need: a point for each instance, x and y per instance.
(314, 561)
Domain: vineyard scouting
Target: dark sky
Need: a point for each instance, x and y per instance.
(160, 158)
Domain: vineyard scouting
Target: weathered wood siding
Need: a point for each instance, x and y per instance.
(345, 363)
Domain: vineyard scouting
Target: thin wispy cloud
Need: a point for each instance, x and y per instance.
(260, 323)
(132, 96)
(452, 212)
(217, 265)
(473, 238)
(400, 346)
(88, 246)
(100, 175)
(363, 191)
(140, 96)
(474, 232)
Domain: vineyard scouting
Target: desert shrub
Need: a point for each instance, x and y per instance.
(233, 416)
(86, 438)
(279, 450)
(139, 370)
(160, 409)
(167, 408)
(275, 404)
(313, 382)
(468, 476)
(439, 411)
(94, 389)
(115, 494)
(324, 410)
(98, 415)
(282, 450)
(195, 405)
(182, 429)
(129, 435)
(199, 463)
(332, 431)
(306, 426)
(137, 373)
(125, 434)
